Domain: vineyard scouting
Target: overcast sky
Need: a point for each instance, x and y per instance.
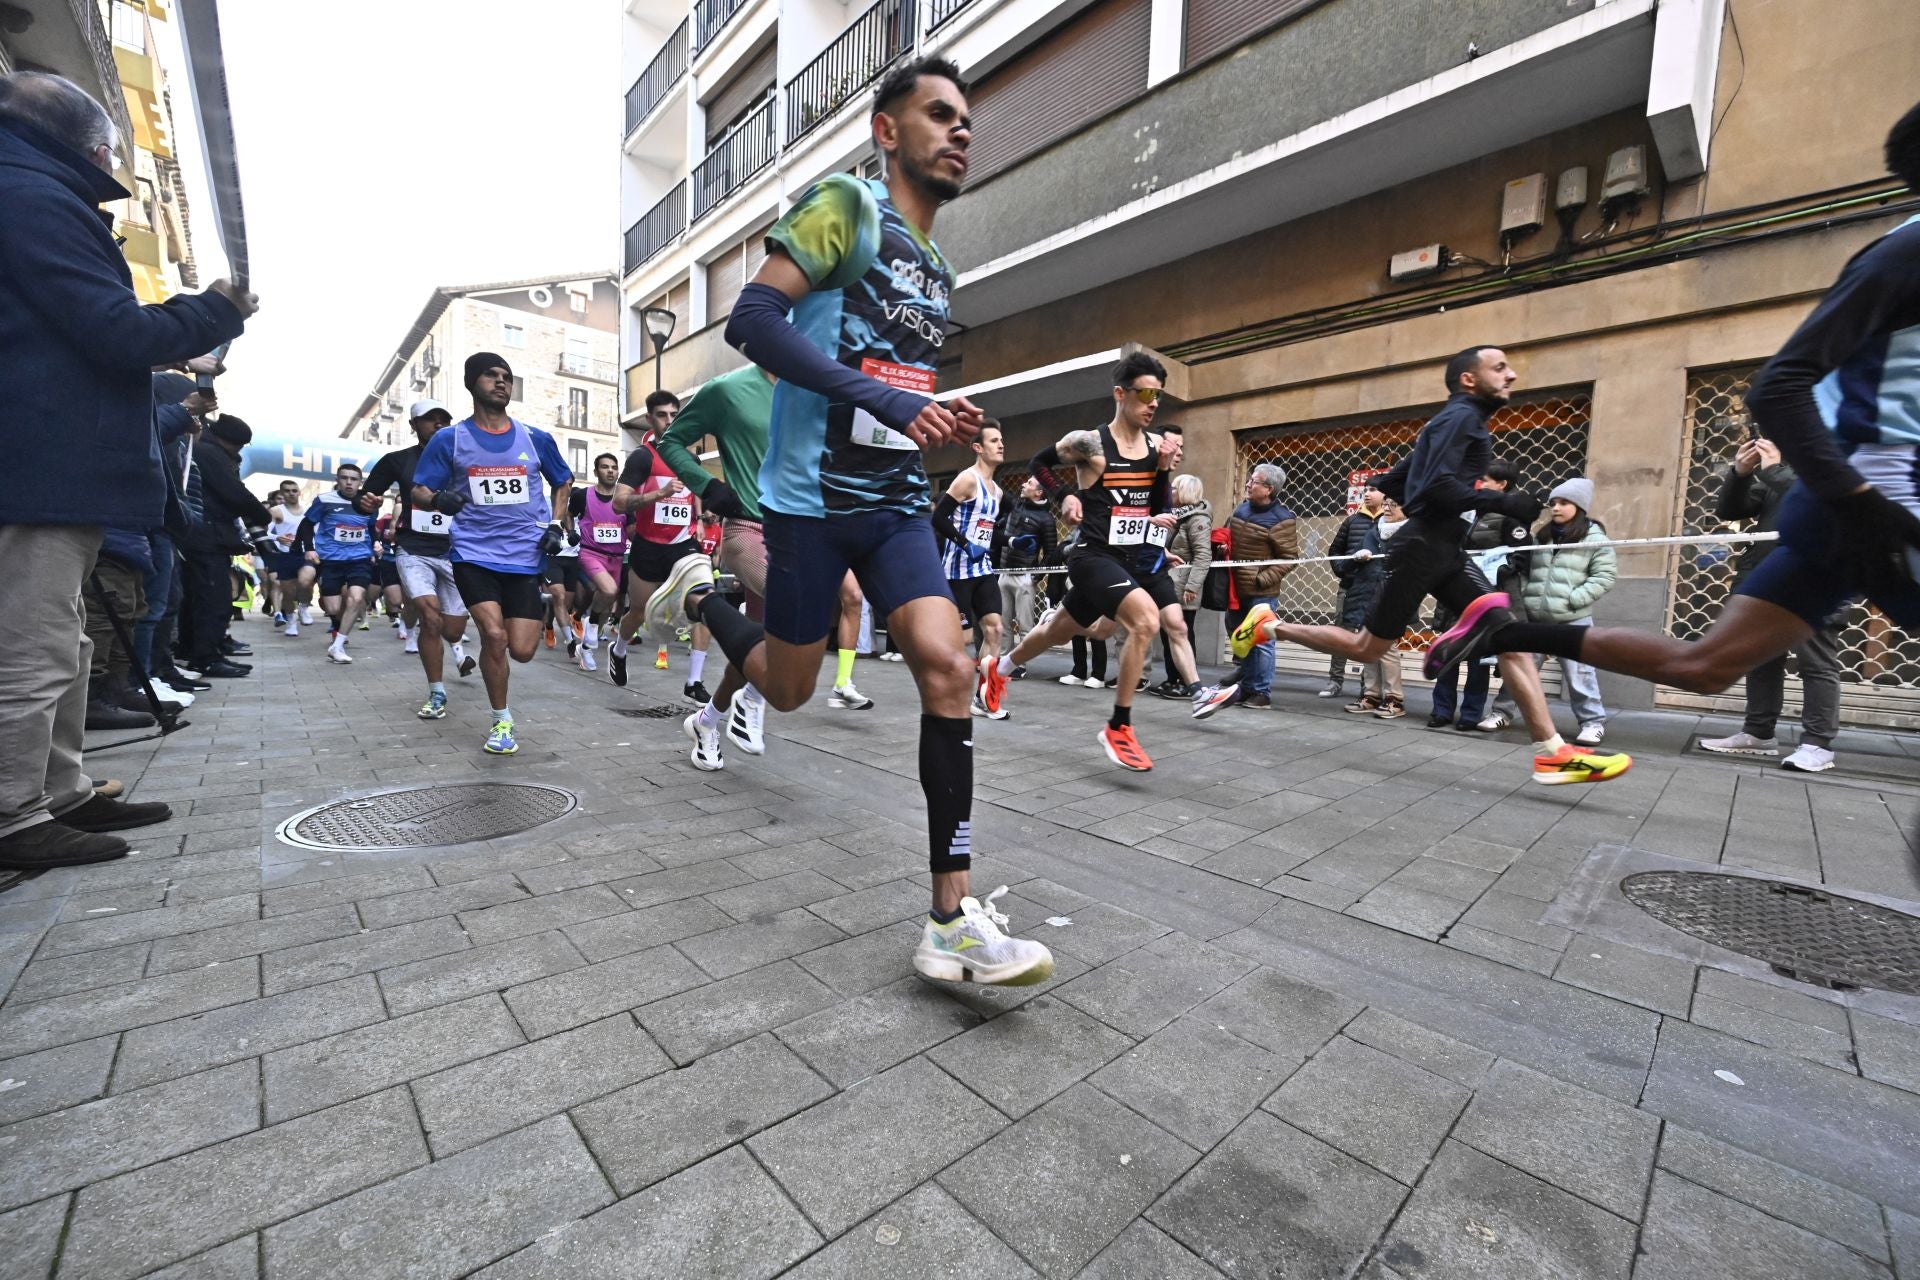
(389, 146)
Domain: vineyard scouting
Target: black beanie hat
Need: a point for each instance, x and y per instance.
(481, 361)
(231, 429)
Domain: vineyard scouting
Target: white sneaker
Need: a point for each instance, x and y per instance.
(337, 651)
(747, 723)
(1094, 682)
(293, 628)
(668, 606)
(893, 657)
(848, 698)
(1741, 744)
(973, 949)
(1332, 690)
(306, 615)
(1495, 722)
(706, 743)
(1075, 681)
(461, 661)
(172, 696)
(413, 644)
(1591, 735)
(586, 658)
(1807, 758)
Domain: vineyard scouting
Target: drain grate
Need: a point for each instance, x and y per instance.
(1806, 934)
(654, 713)
(427, 817)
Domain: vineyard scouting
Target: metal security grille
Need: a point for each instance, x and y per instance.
(1544, 435)
(427, 817)
(1880, 664)
(1807, 934)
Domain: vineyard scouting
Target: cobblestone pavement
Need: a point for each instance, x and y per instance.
(1335, 997)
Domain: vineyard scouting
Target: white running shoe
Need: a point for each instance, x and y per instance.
(667, 606)
(172, 696)
(747, 724)
(1807, 758)
(980, 708)
(1094, 682)
(293, 628)
(413, 644)
(973, 949)
(1741, 744)
(306, 615)
(586, 658)
(1210, 698)
(848, 698)
(337, 651)
(1074, 681)
(893, 657)
(706, 743)
(1591, 735)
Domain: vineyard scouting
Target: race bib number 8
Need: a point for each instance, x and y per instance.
(670, 513)
(1133, 527)
(350, 533)
(498, 486)
(606, 535)
(429, 521)
(869, 430)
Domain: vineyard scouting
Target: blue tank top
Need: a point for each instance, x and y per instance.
(340, 532)
(507, 505)
(974, 518)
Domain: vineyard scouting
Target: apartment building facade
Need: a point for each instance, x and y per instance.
(559, 335)
(1306, 206)
(156, 224)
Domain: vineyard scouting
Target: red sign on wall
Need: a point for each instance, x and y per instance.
(1357, 486)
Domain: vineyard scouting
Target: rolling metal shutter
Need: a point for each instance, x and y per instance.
(728, 274)
(1217, 25)
(1081, 71)
(740, 94)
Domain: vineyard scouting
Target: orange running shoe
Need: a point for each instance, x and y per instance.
(993, 687)
(1123, 748)
(660, 659)
(1579, 764)
(549, 637)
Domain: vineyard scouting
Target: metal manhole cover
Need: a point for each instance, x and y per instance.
(653, 713)
(1810, 935)
(427, 817)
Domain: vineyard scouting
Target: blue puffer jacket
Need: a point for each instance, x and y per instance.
(79, 346)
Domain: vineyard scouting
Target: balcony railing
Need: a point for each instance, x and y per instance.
(943, 10)
(748, 148)
(661, 74)
(710, 17)
(858, 56)
(575, 365)
(658, 227)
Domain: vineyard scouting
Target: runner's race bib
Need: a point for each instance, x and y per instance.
(673, 513)
(350, 533)
(869, 430)
(607, 535)
(427, 520)
(981, 534)
(499, 486)
(1133, 527)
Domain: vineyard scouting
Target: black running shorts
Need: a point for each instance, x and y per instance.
(978, 598)
(1425, 558)
(517, 594)
(1096, 584)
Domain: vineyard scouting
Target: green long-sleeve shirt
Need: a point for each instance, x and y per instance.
(735, 409)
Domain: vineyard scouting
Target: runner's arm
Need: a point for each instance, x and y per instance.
(943, 526)
(434, 471)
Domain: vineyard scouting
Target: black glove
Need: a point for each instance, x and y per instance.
(263, 545)
(552, 540)
(573, 536)
(448, 502)
(367, 503)
(1872, 533)
(1523, 507)
(721, 500)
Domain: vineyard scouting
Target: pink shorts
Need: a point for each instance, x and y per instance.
(592, 561)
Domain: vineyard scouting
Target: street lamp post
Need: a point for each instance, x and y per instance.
(660, 322)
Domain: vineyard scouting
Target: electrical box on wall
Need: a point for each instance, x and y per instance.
(1415, 263)
(1571, 191)
(1626, 174)
(1524, 206)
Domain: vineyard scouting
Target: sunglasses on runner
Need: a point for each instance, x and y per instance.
(1145, 395)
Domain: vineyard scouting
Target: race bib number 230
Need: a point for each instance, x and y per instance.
(498, 486)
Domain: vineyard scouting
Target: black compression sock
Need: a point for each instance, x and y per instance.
(946, 776)
(1555, 639)
(736, 635)
(1121, 717)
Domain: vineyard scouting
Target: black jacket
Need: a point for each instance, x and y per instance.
(1023, 517)
(1754, 497)
(224, 500)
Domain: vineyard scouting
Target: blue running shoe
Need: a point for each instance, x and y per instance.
(436, 706)
(500, 741)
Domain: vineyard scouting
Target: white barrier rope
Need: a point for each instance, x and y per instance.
(1687, 539)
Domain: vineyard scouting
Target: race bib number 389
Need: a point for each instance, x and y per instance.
(869, 430)
(498, 486)
(1131, 527)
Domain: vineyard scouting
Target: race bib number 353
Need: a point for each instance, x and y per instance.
(608, 535)
(869, 430)
(498, 486)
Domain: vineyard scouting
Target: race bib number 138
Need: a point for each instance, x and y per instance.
(498, 486)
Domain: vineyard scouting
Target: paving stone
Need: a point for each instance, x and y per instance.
(1516, 917)
(1331, 896)
(179, 1208)
(1272, 1201)
(69, 1149)
(534, 915)
(1429, 1050)
(1193, 1080)
(1144, 1251)
(863, 1036)
(409, 988)
(565, 1000)
(167, 1050)
(322, 893)
(631, 931)
(144, 926)
(1579, 1141)
(762, 898)
(656, 887)
(121, 901)
(29, 1238)
(826, 1157)
(1695, 1234)
(868, 961)
(181, 892)
(740, 947)
(63, 975)
(1504, 948)
(1799, 1038)
(86, 1014)
(763, 863)
(1661, 983)
(1889, 1051)
(869, 871)
(363, 953)
(1025, 1057)
(721, 1218)
(320, 1073)
(1099, 933)
(1145, 990)
(36, 1083)
(1475, 853)
(1780, 1002)
(468, 1104)
(1454, 880)
(1279, 1014)
(1371, 1105)
(1905, 1230)
(579, 872)
(697, 1022)
(1075, 1193)
(1820, 1207)
(456, 1214)
(235, 1260)
(1414, 911)
(445, 900)
(924, 1235)
(1474, 1216)
(868, 909)
(251, 937)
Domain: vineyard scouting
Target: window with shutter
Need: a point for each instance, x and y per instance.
(724, 282)
(740, 95)
(1214, 26)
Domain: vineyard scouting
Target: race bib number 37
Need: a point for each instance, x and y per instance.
(869, 430)
(498, 486)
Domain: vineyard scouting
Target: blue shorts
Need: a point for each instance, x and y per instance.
(892, 554)
(287, 565)
(337, 575)
(1805, 574)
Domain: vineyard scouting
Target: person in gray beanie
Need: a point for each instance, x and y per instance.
(1562, 586)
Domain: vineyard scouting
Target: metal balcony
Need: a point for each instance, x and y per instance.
(657, 228)
(857, 57)
(747, 148)
(575, 365)
(942, 10)
(661, 74)
(710, 17)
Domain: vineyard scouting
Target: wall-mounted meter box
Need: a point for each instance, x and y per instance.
(1523, 208)
(1414, 263)
(1626, 174)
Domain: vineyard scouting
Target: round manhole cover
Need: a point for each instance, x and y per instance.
(1807, 934)
(427, 817)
